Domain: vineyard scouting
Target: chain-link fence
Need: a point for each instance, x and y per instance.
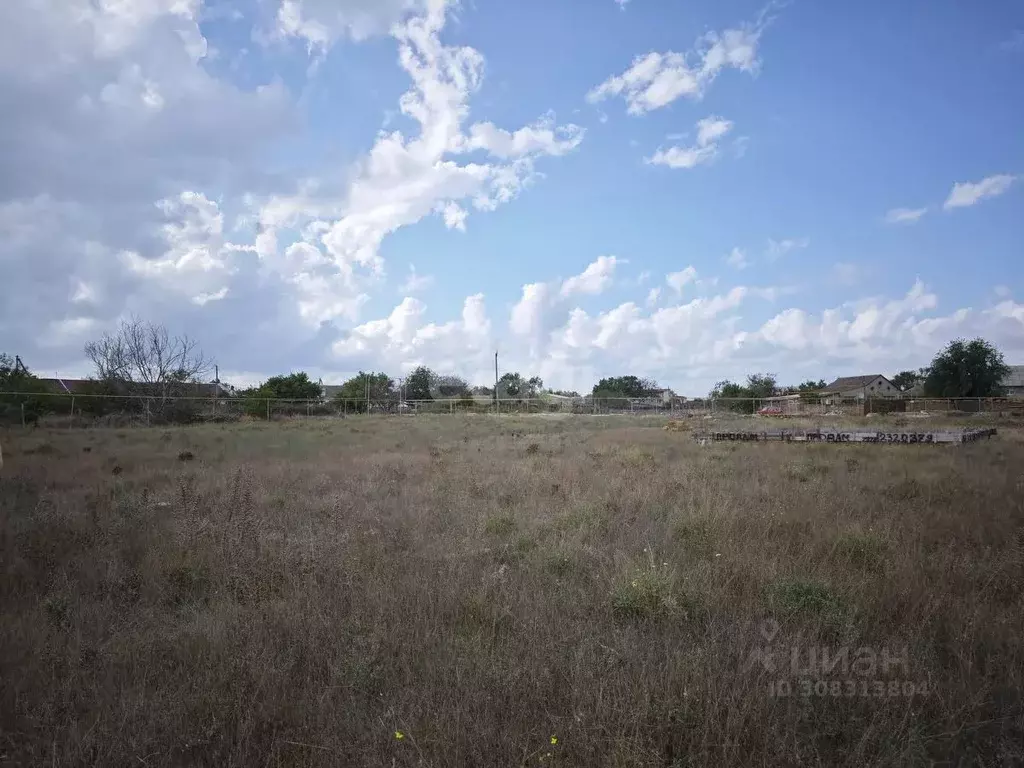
(804, 406)
(131, 410)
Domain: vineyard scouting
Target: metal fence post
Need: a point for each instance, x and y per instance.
(268, 409)
(23, 413)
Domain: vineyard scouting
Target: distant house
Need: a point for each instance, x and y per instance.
(917, 390)
(1013, 384)
(861, 387)
(330, 391)
(666, 395)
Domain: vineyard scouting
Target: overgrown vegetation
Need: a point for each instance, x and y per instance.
(433, 592)
(293, 386)
(759, 385)
(364, 388)
(20, 390)
(966, 369)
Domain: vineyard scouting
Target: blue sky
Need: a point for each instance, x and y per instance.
(686, 191)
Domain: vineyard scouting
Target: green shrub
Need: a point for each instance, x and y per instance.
(647, 592)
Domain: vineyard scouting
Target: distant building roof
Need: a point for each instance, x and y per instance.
(1015, 378)
(917, 390)
(91, 386)
(70, 386)
(846, 383)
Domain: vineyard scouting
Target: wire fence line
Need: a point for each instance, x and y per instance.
(69, 409)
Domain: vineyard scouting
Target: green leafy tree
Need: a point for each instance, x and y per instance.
(812, 386)
(732, 396)
(294, 386)
(12, 372)
(808, 389)
(904, 380)
(21, 388)
(449, 386)
(417, 384)
(728, 389)
(378, 387)
(762, 385)
(624, 387)
(514, 385)
(967, 369)
(739, 397)
(509, 385)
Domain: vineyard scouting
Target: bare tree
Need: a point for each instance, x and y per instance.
(144, 354)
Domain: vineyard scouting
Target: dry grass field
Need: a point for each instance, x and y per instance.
(505, 591)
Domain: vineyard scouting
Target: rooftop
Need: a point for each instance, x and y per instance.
(1015, 378)
(844, 383)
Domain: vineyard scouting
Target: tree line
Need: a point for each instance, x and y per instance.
(143, 359)
(962, 368)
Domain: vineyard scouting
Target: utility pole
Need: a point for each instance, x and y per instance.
(216, 389)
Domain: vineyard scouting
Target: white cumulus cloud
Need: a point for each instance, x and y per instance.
(687, 345)
(595, 279)
(737, 258)
(709, 131)
(904, 215)
(679, 280)
(779, 248)
(322, 22)
(404, 179)
(414, 282)
(965, 193)
(655, 80)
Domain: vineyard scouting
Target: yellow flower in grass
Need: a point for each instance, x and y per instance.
(554, 739)
(399, 735)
